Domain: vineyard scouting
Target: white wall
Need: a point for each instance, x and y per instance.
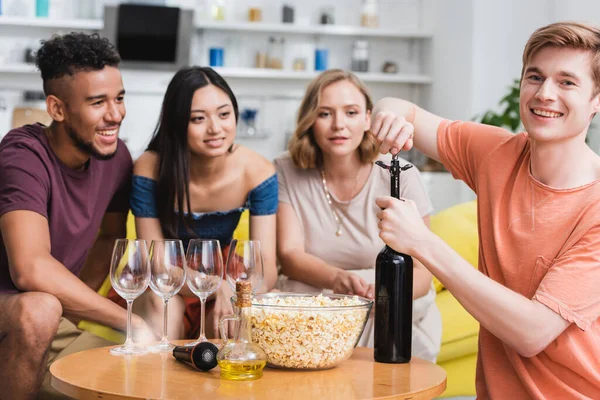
(501, 29)
(452, 58)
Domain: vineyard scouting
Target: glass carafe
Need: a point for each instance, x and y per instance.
(240, 359)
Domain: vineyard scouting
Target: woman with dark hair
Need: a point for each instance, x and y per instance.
(194, 182)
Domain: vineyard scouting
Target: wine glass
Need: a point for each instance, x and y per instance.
(167, 261)
(245, 263)
(129, 276)
(204, 274)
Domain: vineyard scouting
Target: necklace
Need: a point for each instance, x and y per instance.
(336, 217)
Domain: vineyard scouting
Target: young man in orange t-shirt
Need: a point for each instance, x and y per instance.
(536, 291)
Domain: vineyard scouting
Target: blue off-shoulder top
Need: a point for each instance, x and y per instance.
(262, 200)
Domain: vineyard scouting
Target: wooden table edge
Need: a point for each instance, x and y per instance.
(82, 393)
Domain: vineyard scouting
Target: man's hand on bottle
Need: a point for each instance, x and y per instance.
(400, 224)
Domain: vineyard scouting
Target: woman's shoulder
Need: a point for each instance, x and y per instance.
(284, 162)
(147, 165)
(285, 165)
(257, 168)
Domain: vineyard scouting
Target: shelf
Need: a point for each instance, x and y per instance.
(18, 69)
(266, 73)
(84, 24)
(333, 30)
(260, 73)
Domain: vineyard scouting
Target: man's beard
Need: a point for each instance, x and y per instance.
(88, 147)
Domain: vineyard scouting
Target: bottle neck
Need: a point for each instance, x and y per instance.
(245, 329)
(395, 179)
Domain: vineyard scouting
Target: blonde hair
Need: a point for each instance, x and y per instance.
(574, 35)
(303, 148)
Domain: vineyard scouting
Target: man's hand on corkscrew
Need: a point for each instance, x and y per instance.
(400, 225)
(393, 133)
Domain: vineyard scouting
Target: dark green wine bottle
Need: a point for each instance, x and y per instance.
(393, 295)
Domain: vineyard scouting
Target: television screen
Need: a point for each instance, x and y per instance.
(147, 33)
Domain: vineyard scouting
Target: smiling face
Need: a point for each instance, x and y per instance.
(93, 110)
(212, 126)
(558, 97)
(342, 119)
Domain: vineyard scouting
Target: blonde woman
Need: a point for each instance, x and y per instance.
(327, 234)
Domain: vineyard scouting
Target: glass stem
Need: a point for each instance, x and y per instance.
(129, 341)
(165, 320)
(202, 337)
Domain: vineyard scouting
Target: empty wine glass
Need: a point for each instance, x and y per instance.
(167, 261)
(245, 263)
(129, 276)
(204, 274)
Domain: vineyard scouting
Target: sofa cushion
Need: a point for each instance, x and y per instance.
(457, 226)
(459, 329)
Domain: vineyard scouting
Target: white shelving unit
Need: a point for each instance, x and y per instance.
(406, 39)
(18, 69)
(254, 73)
(266, 73)
(81, 24)
(332, 30)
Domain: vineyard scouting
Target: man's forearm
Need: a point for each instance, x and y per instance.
(77, 299)
(97, 264)
(399, 107)
(421, 279)
(506, 314)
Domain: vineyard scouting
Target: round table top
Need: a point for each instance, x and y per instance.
(96, 374)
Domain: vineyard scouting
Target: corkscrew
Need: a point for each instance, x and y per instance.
(395, 170)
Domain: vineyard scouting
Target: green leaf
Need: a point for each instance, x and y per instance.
(509, 116)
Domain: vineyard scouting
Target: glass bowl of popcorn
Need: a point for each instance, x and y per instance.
(308, 331)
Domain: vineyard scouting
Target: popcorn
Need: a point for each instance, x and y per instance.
(303, 336)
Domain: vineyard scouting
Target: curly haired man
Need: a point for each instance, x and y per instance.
(59, 186)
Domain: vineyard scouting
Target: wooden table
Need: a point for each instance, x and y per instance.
(96, 374)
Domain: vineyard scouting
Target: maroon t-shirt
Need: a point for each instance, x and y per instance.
(74, 202)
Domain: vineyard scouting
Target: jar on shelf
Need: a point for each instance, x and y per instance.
(299, 64)
(287, 14)
(248, 125)
(254, 14)
(327, 16)
(360, 56)
(261, 60)
(369, 16)
(275, 54)
(217, 10)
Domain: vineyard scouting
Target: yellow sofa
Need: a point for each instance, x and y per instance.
(457, 226)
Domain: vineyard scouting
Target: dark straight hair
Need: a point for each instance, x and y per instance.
(170, 142)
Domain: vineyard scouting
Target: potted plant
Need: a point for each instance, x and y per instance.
(509, 117)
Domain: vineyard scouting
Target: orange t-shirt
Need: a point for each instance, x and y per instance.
(541, 242)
